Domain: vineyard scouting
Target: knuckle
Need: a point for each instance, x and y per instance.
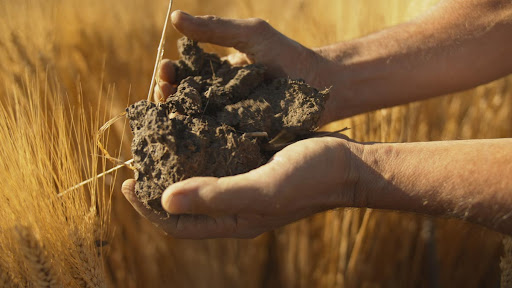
(259, 25)
(211, 18)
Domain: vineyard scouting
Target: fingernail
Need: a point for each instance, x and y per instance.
(175, 203)
(127, 187)
(178, 12)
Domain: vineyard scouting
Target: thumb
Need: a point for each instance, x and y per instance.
(243, 35)
(211, 196)
(128, 190)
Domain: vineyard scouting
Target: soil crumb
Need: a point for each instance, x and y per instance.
(204, 129)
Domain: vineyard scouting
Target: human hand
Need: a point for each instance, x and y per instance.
(256, 41)
(304, 178)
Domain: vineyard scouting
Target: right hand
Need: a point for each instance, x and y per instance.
(256, 41)
(304, 178)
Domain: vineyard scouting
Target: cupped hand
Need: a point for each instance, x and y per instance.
(256, 41)
(304, 178)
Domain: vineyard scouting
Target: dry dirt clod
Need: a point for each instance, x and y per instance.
(200, 130)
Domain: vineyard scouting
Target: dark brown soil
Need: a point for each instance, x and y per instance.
(201, 129)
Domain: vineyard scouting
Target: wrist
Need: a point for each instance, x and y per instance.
(332, 72)
(312, 67)
(379, 168)
(345, 179)
(365, 174)
(355, 173)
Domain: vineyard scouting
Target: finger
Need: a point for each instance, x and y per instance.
(240, 34)
(167, 71)
(202, 227)
(162, 91)
(167, 77)
(128, 189)
(214, 196)
(182, 226)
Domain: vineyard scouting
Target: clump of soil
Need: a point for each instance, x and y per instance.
(204, 128)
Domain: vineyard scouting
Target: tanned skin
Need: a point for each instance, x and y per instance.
(457, 45)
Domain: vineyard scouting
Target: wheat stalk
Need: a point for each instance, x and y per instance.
(160, 52)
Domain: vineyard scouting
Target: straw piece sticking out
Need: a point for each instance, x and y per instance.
(127, 164)
(160, 52)
(100, 133)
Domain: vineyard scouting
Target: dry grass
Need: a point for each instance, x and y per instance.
(46, 240)
(107, 48)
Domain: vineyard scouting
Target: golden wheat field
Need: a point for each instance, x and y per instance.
(67, 66)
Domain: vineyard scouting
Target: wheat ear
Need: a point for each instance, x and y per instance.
(40, 271)
(88, 273)
(6, 279)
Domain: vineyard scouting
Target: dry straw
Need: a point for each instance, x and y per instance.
(160, 52)
(44, 149)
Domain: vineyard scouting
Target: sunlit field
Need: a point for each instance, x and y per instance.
(67, 66)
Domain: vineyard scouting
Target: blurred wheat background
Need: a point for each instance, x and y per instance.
(91, 59)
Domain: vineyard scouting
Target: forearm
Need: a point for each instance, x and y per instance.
(470, 180)
(455, 46)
